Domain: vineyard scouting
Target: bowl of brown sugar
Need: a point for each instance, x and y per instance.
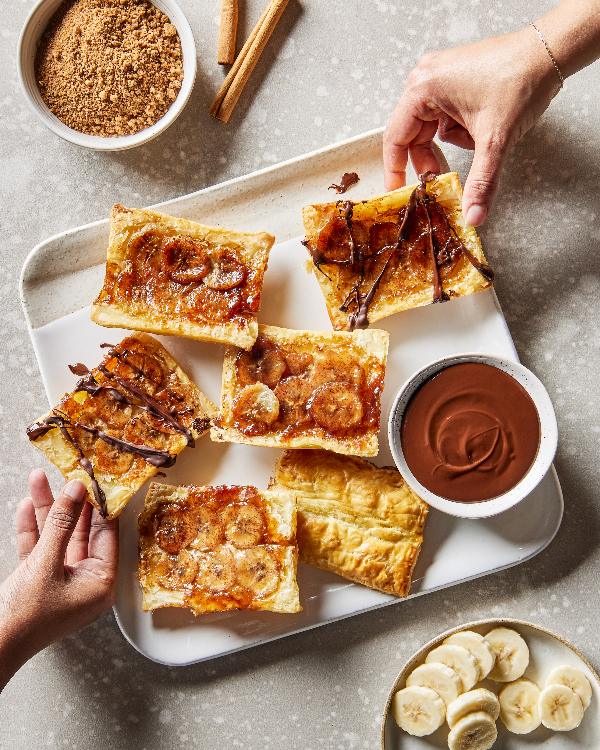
(106, 74)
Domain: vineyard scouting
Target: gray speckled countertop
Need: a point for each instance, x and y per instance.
(332, 70)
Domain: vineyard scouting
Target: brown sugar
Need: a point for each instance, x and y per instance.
(109, 67)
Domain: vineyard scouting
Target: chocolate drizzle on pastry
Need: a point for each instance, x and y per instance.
(345, 242)
(348, 179)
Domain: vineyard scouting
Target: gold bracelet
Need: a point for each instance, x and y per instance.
(541, 36)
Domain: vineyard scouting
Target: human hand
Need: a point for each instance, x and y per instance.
(67, 573)
(484, 96)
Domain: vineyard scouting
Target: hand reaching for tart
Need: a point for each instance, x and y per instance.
(67, 574)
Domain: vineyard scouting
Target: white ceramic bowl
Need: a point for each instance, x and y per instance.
(539, 467)
(32, 31)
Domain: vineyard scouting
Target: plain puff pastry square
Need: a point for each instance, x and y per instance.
(137, 374)
(171, 276)
(407, 280)
(305, 389)
(354, 519)
(219, 548)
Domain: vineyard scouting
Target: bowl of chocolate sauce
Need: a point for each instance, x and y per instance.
(473, 434)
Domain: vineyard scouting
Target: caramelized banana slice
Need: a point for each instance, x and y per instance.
(257, 403)
(293, 394)
(84, 439)
(141, 431)
(298, 363)
(244, 525)
(264, 363)
(216, 570)
(176, 528)
(107, 411)
(185, 260)
(227, 271)
(143, 369)
(210, 530)
(175, 571)
(214, 305)
(337, 366)
(257, 571)
(111, 459)
(336, 407)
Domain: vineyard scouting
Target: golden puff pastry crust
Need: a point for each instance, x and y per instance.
(354, 519)
(398, 275)
(304, 389)
(125, 420)
(212, 549)
(172, 276)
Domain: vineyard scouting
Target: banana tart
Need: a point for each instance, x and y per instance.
(125, 420)
(393, 252)
(354, 519)
(304, 389)
(220, 548)
(172, 276)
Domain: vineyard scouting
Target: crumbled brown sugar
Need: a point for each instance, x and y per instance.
(109, 67)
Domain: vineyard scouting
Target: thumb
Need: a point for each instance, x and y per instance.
(484, 177)
(61, 522)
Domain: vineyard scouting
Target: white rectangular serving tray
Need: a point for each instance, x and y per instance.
(62, 276)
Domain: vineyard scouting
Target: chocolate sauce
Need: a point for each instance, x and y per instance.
(348, 179)
(338, 244)
(470, 433)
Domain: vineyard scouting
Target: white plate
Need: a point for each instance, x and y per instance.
(546, 651)
(63, 275)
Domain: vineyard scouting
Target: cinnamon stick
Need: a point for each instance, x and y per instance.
(233, 85)
(227, 32)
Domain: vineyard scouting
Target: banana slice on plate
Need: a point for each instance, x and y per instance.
(573, 678)
(476, 645)
(418, 710)
(519, 706)
(439, 677)
(458, 659)
(512, 654)
(475, 731)
(471, 702)
(561, 708)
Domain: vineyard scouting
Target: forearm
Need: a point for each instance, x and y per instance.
(14, 650)
(572, 32)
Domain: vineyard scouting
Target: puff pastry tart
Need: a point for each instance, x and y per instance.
(125, 420)
(354, 519)
(218, 548)
(400, 250)
(172, 276)
(303, 389)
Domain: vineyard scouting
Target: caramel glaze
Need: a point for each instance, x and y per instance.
(470, 433)
(420, 245)
(303, 373)
(172, 275)
(202, 510)
(166, 410)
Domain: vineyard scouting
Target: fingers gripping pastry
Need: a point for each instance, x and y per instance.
(220, 548)
(354, 519)
(172, 276)
(302, 389)
(400, 250)
(125, 420)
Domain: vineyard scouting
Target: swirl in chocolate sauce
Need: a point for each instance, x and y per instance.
(470, 433)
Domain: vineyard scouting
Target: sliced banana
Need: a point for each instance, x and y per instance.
(110, 458)
(478, 646)
(293, 394)
(216, 569)
(226, 269)
(519, 706)
(468, 703)
(244, 525)
(573, 678)
(512, 654)
(176, 528)
(476, 731)
(336, 406)
(210, 530)
(418, 710)
(458, 659)
(175, 571)
(264, 363)
(439, 677)
(257, 571)
(561, 708)
(257, 403)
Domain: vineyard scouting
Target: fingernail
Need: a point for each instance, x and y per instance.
(75, 489)
(476, 215)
